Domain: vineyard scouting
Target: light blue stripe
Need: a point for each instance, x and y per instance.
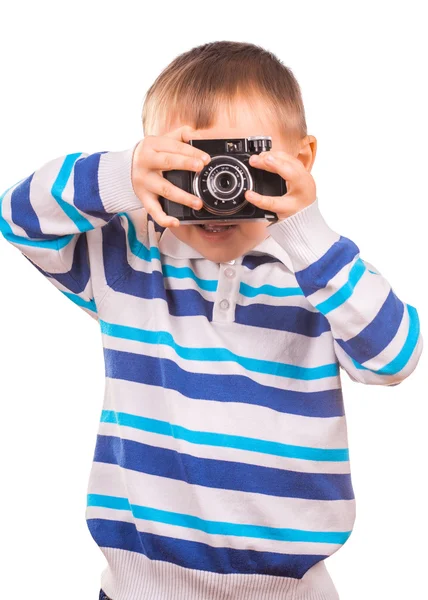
(225, 440)
(71, 211)
(219, 354)
(58, 187)
(280, 534)
(345, 292)
(108, 502)
(55, 244)
(269, 290)
(210, 285)
(402, 358)
(90, 304)
(136, 246)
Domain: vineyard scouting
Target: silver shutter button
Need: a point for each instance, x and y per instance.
(224, 304)
(229, 272)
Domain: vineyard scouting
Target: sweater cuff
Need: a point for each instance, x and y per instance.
(305, 235)
(115, 181)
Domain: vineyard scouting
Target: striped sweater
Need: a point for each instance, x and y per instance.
(221, 467)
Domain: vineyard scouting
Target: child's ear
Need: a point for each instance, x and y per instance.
(307, 150)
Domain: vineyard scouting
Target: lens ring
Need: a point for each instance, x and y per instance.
(218, 172)
(200, 180)
(216, 183)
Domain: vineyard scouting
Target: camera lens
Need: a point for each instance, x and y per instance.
(222, 184)
(225, 182)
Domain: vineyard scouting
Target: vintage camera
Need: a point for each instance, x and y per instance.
(222, 183)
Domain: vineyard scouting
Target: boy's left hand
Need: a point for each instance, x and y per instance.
(301, 188)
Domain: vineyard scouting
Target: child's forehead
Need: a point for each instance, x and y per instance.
(237, 118)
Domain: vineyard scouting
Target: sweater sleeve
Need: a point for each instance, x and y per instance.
(376, 335)
(47, 215)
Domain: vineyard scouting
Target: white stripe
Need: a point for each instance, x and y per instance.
(394, 347)
(229, 418)
(223, 367)
(229, 506)
(218, 453)
(360, 308)
(213, 540)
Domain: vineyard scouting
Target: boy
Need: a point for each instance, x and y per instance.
(221, 468)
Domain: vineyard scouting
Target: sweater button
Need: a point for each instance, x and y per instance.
(224, 304)
(229, 272)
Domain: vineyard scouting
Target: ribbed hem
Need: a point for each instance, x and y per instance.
(115, 181)
(132, 576)
(305, 235)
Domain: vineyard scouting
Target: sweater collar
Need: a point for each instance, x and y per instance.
(171, 246)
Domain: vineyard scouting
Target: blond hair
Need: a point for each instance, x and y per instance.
(196, 83)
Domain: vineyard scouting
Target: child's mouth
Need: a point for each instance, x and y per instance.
(215, 231)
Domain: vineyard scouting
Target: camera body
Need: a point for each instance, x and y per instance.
(222, 183)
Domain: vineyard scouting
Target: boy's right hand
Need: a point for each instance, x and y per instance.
(154, 154)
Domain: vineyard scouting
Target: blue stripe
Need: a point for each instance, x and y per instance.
(345, 292)
(252, 261)
(280, 534)
(165, 373)
(81, 223)
(189, 302)
(267, 367)
(86, 188)
(5, 228)
(224, 440)
(109, 533)
(73, 297)
(317, 275)
(77, 278)
(378, 334)
(86, 198)
(23, 213)
(221, 474)
(292, 319)
(403, 357)
(209, 285)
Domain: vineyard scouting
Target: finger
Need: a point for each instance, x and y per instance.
(188, 133)
(283, 167)
(153, 207)
(272, 203)
(166, 161)
(174, 144)
(185, 134)
(280, 154)
(159, 185)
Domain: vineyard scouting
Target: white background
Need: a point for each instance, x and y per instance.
(73, 79)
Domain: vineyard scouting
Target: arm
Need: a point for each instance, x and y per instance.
(48, 214)
(376, 335)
